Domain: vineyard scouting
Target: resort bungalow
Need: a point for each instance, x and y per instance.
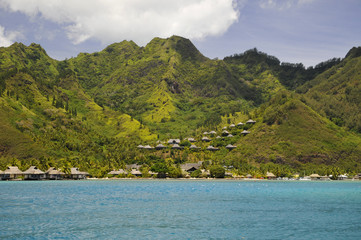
(205, 133)
(190, 167)
(218, 137)
(212, 132)
(206, 139)
(211, 148)
(270, 175)
(147, 147)
(244, 132)
(33, 173)
(250, 121)
(191, 140)
(230, 135)
(54, 174)
(140, 147)
(117, 172)
(315, 176)
(76, 174)
(240, 124)
(160, 147)
(224, 128)
(225, 133)
(176, 146)
(232, 125)
(136, 173)
(230, 147)
(12, 173)
(194, 147)
(174, 141)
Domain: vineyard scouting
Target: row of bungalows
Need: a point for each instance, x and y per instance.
(192, 147)
(34, 173)
(133, 169)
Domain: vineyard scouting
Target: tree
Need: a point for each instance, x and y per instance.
(217, 171)
(160, 168)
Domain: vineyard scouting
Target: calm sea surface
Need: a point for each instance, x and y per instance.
(151, 209)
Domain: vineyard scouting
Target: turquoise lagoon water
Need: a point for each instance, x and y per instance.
(152, 209)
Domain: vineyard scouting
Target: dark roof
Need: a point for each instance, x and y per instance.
(188, 166)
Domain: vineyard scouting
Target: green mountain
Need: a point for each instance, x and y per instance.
(92, 111)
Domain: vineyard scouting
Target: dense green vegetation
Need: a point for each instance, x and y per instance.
(92, 111)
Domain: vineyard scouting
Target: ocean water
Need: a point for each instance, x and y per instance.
(176, 209)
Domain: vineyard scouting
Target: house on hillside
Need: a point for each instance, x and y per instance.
(240, 124)
(206, 139)
(54, 174)
(212, 132)
(250, 121)
(76, 174)
(232, 125)
(33, 173)
(230, 147)
(190, 167)
(174, 141)
(192, 140)
(194, 147)
(140, 147)
(147, 147)
(245, 132)
(211, 148)
(176, 146)
(160, 146)
(12, 173)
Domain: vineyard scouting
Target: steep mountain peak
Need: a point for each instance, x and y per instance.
(183, 46)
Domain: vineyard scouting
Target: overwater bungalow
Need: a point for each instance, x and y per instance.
(250, 121)
(160, 147)
(230, 147)
(245, 132)
(76, 174)
(33, 173)
(211, 148)
(206, 139)
(12, 173)
(54, 174)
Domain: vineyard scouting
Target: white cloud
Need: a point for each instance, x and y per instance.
(282, 4)
(7, 37)
(138, 20)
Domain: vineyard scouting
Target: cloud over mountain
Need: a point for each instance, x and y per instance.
(114, 20)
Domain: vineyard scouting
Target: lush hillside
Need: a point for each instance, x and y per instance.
(92, 111)
(336, 92)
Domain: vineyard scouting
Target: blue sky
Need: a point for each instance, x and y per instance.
(306, 31)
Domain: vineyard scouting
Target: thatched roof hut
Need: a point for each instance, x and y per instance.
(191, 140)
(76, 174)
(232, 125)
(176, 146)
(240, 124)
(205, 133)
(218, 137)
(270, 175)
(147, 147)
(230, 146)
(190, 167)
(194, 147)
(229, 135)
(211, 148)
(250, 121)
(54, 174)
(174, 141)
(33, 173)
(315, 176)
(206, 139)
(12, 172)
(140, 146)
(245, 132)
(212, 132)
(117, 172)
(136, 173)
(160, 146)
(224, 128)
